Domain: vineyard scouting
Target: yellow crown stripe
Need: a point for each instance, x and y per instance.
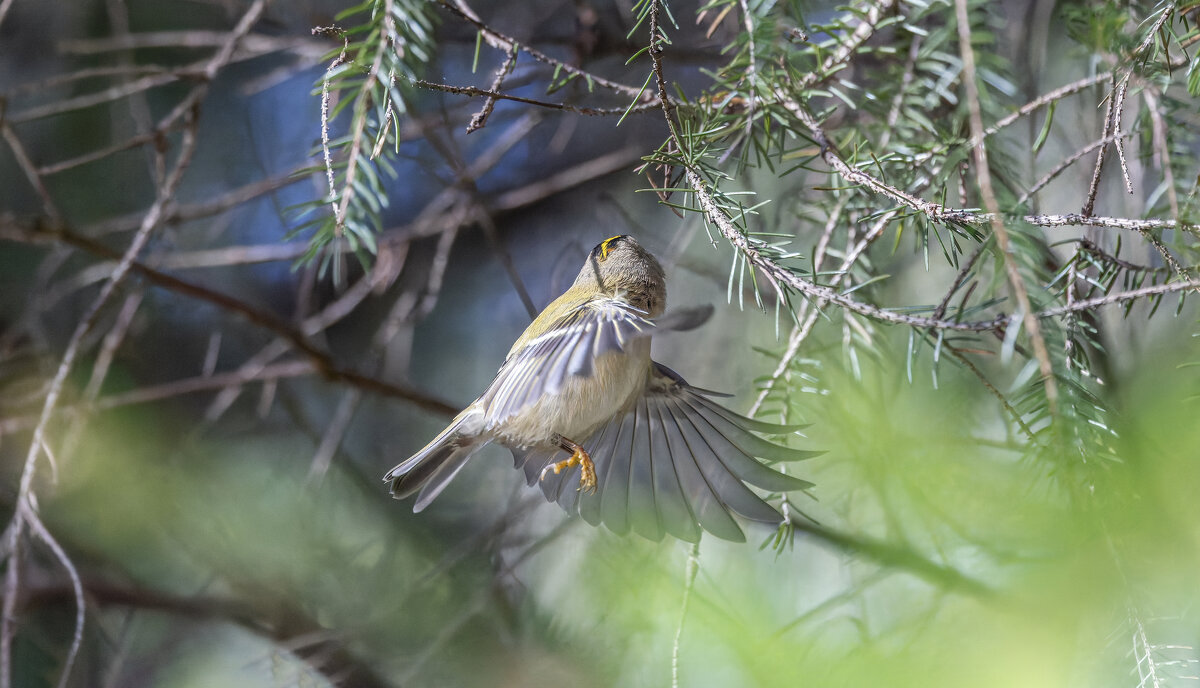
(604, 245)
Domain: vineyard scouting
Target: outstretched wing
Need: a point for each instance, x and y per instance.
(674, 464)
(569, 346)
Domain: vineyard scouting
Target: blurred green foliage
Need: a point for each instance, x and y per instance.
(231, 522)
(943, 545)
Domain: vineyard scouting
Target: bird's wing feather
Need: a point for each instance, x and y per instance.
(674, 463)
(569, 347)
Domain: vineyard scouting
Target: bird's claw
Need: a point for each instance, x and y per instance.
(587, 469)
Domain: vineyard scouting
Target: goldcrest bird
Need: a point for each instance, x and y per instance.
(654, 454)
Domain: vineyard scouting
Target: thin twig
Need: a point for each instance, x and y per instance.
(251, 45)
(1075, 219)
(25, 510)
(987, 384)
(1119, 297)
(812, 311)
(1042, 101)
(175, 388)
(939, 213)
(37, 528)
(499, 40)
(914, 50)
(489, 103)
(108, 350)
(493, 95)
(1153, 32)
(689, 582)
(87, 100)
(984, 177)
(1166, 254)
(1088, 246)
(297, 339)
(1162, 151)
(1094, 188)
(751, 69)
(101, 153)
(854, 175)
(24, 493)
(867, 22)
(1067, 162)
(959, 279)
(325, 98)
(30, 170)
(488, 225)
(334, 432)
(1118, 111)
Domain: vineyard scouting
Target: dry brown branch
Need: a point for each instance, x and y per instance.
(1118, 112)
(1067, 162)
(87, 100)
(1119, 297)
(1041, 102)
(102, 153)
(39, 530)
(1168, 257)
(139, 105)
(339, 422)
(811, 312)
(914, 50)
(82, 74)
(569, 178)
(1090, 247)
(296, 338)
(30, 170)
(856, 176)
(489, 103)
(186, 212)
(25, 508)
(281, 620)
(406, 309)
(175, 388)
(499, 40)
(492, 95)
(1162, 152)
(984, 177)
(25, 511)
(108, 350)
(252, 45)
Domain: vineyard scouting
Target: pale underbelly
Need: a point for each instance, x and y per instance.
(583, 404)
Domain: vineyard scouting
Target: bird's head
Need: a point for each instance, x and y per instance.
(622, 268)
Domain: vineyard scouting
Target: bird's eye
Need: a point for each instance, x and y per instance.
(608, 244)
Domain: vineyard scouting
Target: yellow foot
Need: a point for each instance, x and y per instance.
(579, 457)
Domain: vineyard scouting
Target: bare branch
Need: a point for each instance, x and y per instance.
(984, 177)
(489, 103)
(499, 40)
(30, 170)
(1162, 152)
(1067, 162)
(492, 95)
(39, 529)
